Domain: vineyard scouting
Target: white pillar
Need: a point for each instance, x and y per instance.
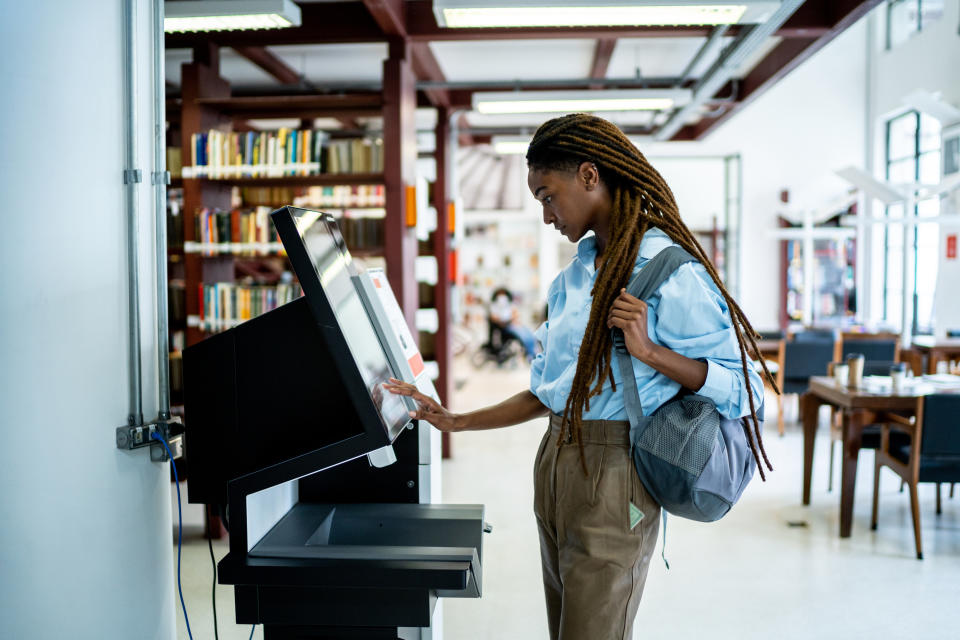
(85, 545)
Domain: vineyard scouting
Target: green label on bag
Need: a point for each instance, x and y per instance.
(635, 516)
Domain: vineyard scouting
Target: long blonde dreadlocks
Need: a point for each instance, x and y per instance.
(641, 199)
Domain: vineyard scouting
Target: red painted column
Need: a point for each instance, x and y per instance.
(400, 157)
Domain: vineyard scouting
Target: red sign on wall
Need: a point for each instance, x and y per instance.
(952, 246)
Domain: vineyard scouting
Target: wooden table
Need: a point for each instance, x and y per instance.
(859, 408)
(937, 350)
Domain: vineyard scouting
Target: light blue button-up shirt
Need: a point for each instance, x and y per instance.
(687, 314)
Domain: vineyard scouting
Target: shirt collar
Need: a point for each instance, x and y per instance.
(654, 241)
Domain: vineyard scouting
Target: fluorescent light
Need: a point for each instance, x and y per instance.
(510, 145)
(229, 15)
(579, 13)
(576, 101)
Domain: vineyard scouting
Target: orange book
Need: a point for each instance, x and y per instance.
(235, 226)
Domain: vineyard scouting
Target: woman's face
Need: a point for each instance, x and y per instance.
(574, 202)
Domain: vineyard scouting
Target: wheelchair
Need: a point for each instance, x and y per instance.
(499, 348)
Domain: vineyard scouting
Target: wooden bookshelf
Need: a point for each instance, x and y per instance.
(206, 104)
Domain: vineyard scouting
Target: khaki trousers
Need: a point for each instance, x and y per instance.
(594, 562)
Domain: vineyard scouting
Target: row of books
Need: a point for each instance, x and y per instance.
(285, 152)
(238, 226)
(343, 196)
(225, 304)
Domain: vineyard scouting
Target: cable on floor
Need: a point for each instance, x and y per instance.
(176, 481)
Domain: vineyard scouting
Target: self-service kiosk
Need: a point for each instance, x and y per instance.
(317, 471)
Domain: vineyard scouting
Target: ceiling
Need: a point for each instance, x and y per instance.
(341, 47)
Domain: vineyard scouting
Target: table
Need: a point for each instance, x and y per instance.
(937, 349)
(859, 408)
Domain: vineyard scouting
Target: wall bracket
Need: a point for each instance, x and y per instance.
(139, 435)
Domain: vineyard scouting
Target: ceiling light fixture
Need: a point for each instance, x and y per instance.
(579, 13)
(229, 15)
(577, 101)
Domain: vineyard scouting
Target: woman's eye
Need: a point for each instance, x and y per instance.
(547, 199)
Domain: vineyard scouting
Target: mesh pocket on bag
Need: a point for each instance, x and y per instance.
(682, 433)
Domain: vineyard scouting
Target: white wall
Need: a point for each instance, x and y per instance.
(791, 137)
(85, 542)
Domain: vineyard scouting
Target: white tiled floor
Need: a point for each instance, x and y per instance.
(770, 569)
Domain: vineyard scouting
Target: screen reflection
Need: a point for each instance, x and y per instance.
(337, 273)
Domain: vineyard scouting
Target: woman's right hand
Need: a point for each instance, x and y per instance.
(427, 408)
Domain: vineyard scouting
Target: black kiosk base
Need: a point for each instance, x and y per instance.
(282, 414)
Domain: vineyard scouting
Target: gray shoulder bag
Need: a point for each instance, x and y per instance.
(692, 460)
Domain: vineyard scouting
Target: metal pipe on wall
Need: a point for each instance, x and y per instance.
(131, 177)
(160, 179)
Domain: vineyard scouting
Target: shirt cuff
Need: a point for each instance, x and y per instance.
(719, 384)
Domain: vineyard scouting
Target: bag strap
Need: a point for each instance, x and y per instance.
(643, 285)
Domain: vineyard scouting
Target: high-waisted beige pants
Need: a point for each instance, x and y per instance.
(594, 562)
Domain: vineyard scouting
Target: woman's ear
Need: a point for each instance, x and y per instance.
(589, 174)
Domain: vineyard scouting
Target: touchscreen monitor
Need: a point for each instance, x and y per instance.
(340, 285)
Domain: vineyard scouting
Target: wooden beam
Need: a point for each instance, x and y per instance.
(270, 63)
(389, 16)
(785, 57)
(601, 59)
(426, 68)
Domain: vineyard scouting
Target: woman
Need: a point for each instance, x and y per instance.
(597, 524)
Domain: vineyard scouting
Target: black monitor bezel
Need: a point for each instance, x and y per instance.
(374, 426)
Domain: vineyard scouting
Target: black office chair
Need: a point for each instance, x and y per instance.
(771, 335)
(801, 360)
(815, 335)
(873, 350)
(937, 459)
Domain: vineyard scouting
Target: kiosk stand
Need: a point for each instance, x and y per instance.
(348, 552)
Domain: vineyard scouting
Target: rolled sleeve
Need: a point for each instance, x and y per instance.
(725, 387)
(693, 320)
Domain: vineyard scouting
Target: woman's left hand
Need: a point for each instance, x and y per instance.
(629, 314)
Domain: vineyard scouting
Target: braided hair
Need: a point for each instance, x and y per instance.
(641, 199)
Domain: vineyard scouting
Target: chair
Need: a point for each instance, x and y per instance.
(873, 346)
(936, 429)
(801, 360)
(813, 335)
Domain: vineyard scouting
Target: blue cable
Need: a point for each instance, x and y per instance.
(252, 629)
(156, 436)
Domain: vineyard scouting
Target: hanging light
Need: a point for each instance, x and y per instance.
(579, 13)
(575, 101)
(229, 15)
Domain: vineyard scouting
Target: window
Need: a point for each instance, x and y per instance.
(906, 17)
(912, 156)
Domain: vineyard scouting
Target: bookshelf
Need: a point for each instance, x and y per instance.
(224, 166)
(373, 202)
